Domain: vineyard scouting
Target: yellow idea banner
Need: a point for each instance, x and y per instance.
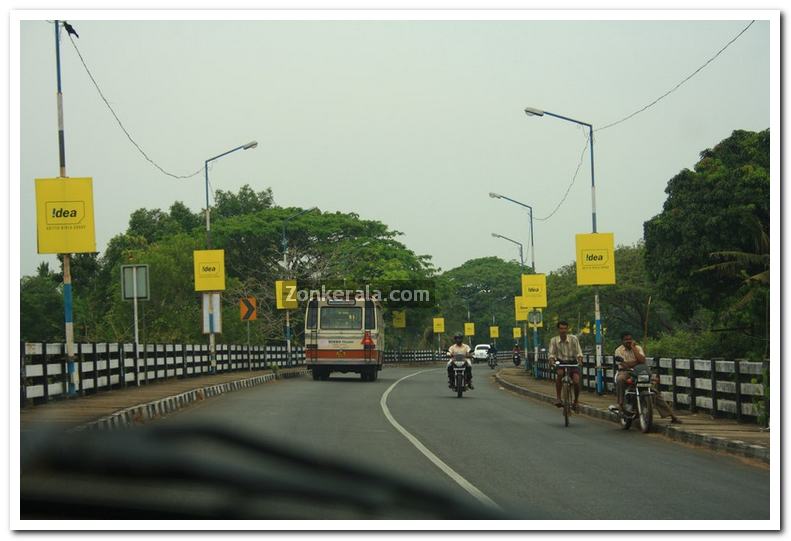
(494, 332)
(595, 259)
(286, 294)
(439, 325)
(469, 329)
(521, 309)
(209, 270)
(64, 216)
(399, 319)
(517, 332)
(534, 290)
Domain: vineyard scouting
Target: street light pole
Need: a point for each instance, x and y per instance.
(533, 264)
(210, 304)
(494, 195)
(284, 241)
(530, 111)
(68, 311)
(522, 260)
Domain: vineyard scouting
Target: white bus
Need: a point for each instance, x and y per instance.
(344, 335)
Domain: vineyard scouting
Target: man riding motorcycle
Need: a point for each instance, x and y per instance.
(632, 355)
(458, 348)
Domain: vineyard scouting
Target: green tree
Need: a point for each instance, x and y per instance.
(41, 307)
(709, 209)
(246, 201)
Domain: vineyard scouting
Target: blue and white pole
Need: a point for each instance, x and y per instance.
(596, 308)
(531, 111)
(68, 312)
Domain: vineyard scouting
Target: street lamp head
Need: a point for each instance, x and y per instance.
(495, 235)
(251, 144)
(494, 195)
(532, 111)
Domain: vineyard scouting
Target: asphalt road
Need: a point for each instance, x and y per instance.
(511, 449)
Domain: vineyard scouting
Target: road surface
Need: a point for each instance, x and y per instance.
(495, 445)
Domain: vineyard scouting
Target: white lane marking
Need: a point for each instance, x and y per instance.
(450, 472)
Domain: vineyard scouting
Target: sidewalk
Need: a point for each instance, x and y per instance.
(70, 413)
(697, 429)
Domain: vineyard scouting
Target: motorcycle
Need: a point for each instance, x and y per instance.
(517, 359)
(459, 374)
(492, 360)
(638, 398)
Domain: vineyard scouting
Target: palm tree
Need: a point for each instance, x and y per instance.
(751, 267)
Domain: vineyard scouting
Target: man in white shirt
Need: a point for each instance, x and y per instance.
(457, 348)
(566, 349)
(632, 355)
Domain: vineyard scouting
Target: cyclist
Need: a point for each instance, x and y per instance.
(566, 349)
(458, 348)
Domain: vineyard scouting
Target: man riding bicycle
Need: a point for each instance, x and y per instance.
(458, 348)
(566, 349)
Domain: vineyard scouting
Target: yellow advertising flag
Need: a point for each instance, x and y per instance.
(399, 319)
(439, 325)
(595, 259)
(286, 294)
(517, 332)
(209, 268)
(521, 308)
(64, 216)
(469, 329)
(494, 331)
(534, 290)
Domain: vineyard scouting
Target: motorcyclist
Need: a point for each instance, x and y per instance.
(493, 351)
(632, 355)
(517, 352)
(458, 348)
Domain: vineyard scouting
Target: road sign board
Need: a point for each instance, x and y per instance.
(534, 290)
(439, 325)
(247, 309)
(128, 285)
(399, 319)
(212, 323)
(64, 216)
(494, 332)
(209, 270)
(286, 294)
(595, 259)
(469, 329)
(536, 318)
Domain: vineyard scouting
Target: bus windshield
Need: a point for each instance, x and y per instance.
(342, 317)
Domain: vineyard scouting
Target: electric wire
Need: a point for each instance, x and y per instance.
(573, 180)
(120, 124)
(687, 78)
(640, 110)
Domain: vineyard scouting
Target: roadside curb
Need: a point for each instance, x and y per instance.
(147, 411)
(735, 447)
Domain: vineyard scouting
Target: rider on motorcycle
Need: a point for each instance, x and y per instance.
(458, 348)
(632, 355)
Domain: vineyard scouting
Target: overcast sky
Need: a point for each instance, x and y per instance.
(411, 123)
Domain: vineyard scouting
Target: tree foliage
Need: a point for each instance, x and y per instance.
(709, 209)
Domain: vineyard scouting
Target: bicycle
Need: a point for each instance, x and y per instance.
(567, 392)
